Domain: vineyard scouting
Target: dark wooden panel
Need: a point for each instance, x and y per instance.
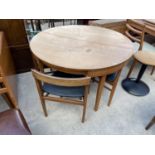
(17, 40)
(22, 58)
(7, 70)
(14, 30)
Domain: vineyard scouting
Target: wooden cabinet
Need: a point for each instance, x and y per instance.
(7, 73)
(114, 24)
(17, 41)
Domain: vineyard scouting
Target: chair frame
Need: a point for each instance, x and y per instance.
(67, 82)
(113, 85)
(132, 25)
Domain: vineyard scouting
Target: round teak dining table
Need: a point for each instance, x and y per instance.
(91, 50)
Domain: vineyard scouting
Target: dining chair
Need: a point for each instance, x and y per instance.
(111, 82)
(64, 90)
(137, 36)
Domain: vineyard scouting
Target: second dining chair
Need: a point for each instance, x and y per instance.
(64, 90)
(112, 81)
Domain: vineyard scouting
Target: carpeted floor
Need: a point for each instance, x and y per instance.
(127, 115)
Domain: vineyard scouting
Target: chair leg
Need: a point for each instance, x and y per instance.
(112, 94)
(152, 71)
(114, 88)
(84, 113)
(131, 69)
(85, 103)
(150, 123)
(44, 107)
(99, 92)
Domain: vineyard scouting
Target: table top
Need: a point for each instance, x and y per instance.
(81, 47)
(146, 57)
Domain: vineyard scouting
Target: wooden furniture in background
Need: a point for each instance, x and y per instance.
(7, 73)
(113, 82)
(136, 86)
(136, 35)
(139, 38)
(131, 85)
(12, 122)
(66, 89)
(114, 24)
(88, 50)
(149, 28)
(17, 41)
(149, 25)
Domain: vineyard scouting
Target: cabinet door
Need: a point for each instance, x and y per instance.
(16, 37)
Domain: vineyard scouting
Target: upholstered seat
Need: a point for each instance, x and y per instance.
(12, 122)
(66, 75)
(111, 77)
(63, 91)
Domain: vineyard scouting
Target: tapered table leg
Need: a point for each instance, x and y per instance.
(136, 86)
(99, 92)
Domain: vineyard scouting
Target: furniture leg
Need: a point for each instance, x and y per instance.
(85, 103)
(31, 20)
(150, 123)
(44, 107)
(99, 92)
(131, 68)
(136, 86)
(152, 71)
(141, 72)
(114, 88)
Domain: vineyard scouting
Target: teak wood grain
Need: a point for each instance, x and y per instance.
(68, 46)
(91, 50)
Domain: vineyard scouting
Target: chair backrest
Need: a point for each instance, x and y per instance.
(68, 82)
(37, 63)
(135, 32)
